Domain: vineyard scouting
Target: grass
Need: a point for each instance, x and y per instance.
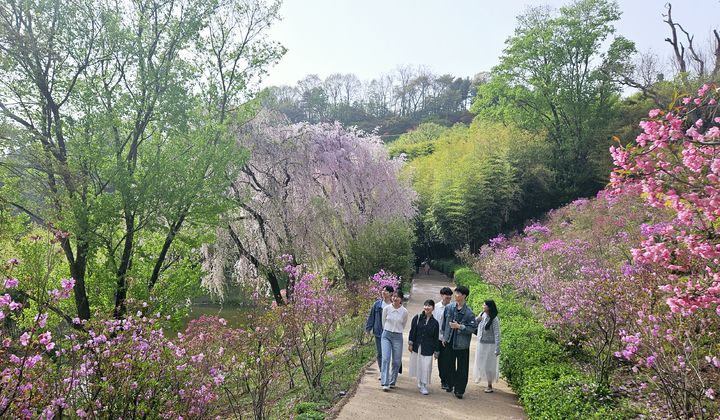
(344, 363)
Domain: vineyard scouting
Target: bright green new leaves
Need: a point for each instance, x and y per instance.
(557, 76)
(479, 181)
(118, 116)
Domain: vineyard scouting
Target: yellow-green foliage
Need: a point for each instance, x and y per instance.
(475, 179)
(419, 142)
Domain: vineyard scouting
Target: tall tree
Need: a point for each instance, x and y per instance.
(122, 130)
(307, 190)
(555, 76)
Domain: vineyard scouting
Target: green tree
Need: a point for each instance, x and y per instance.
(556, 77)
(123, 110)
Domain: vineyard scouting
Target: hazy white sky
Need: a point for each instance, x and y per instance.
(459, 37)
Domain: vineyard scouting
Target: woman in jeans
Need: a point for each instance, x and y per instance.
(394, 318)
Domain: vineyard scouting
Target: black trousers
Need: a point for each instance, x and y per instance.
(458, 362)
(443, 362)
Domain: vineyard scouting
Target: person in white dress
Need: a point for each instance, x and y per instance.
(423, 344)
(487, 354)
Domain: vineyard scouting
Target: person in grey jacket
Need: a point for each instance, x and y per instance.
(457, 330)
(487, 354)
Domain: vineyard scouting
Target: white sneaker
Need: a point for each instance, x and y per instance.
(424, 390)
(386, 388)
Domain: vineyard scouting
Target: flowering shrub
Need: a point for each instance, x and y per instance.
(572, 269)
(635, 273)
(381, 279)
(129, 368)
(675, 164)
(311, 316)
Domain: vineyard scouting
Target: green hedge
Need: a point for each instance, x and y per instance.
(536, 367)
(446, 266)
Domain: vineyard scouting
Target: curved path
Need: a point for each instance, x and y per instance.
(405, 402)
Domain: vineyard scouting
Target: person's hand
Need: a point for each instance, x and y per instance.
(436, 354)
(454, 325)
(443, 343)
(410, 348)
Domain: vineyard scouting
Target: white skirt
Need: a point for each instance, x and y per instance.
(487, 365)
(420, 367)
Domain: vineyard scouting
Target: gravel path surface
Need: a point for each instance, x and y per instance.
(406, 402)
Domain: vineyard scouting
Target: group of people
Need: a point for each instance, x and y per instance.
(442, 331)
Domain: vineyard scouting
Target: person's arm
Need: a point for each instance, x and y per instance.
(404, 318)
(440, 318)
(370, 323)
(444, 333)
(436, 339)
(413, 332)
(468, 325)
(496, 327)
(385, 315)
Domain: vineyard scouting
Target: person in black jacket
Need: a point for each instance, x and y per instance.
(423, 343)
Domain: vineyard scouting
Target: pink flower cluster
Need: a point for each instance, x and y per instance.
(383, 278)
(676, 164)
(597, 275)
(126, 367)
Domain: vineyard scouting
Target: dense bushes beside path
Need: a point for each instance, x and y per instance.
(446, 266)
(536, 366)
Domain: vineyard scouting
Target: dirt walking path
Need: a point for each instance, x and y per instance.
(406, 402)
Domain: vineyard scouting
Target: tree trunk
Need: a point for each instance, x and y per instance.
(174, 229)
(121, 285)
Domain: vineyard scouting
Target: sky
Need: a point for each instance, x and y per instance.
(458, 37)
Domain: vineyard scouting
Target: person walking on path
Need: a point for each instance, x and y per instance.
(423, 345)
(458, 327)
(394, 318)
(368, 401)
(374, 323)
(487, 364)
(439, 314)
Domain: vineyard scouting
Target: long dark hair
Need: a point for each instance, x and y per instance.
(493, 312)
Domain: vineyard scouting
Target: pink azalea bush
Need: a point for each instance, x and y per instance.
(675, 165)
(131, 368)
(313, 313)
(571, 269)
(634, 275)
(381, 279)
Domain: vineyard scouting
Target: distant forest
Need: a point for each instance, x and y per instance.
(392, 103)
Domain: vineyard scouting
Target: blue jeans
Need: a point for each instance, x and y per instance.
(391, 347)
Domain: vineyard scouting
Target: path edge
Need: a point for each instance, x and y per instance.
(337, 407)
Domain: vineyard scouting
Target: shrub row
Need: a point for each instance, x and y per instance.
(536, 366)
(446, 266)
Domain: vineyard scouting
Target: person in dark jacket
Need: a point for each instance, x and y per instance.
(423, 344)
(457, 330)
(374, 321)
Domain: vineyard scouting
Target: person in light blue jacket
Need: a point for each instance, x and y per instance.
(374, 321)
